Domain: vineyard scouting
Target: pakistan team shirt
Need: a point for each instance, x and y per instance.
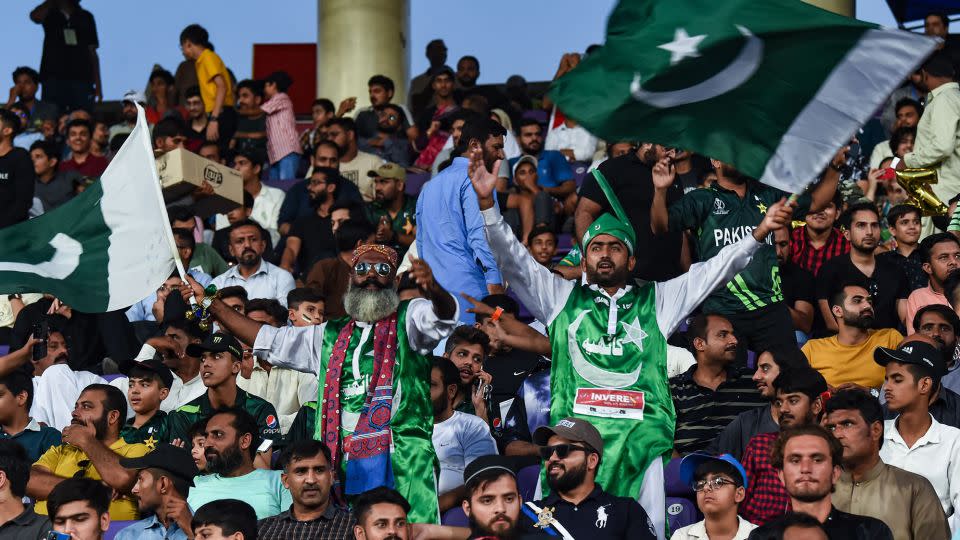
(180, 420)
(719, 217)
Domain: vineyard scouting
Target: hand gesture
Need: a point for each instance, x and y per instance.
(874, 176)
(777, 216)
(346, 106)
(384, 231)
(664, 173)
(176, 510)
(166, 346)
(484, 181)
(840, 157)
(14, 93)
(191, 288)
(478, 307)
(79, 435)
(422, 275)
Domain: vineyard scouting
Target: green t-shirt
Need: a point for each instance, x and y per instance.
(180, 420)
(718, 217)
(405, 222)
(208, 260)
(150, 433)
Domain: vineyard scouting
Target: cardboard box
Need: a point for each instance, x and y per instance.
(182, 171)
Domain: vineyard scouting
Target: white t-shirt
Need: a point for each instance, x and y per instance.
(458, 441)
(356, 171)
(56, 391)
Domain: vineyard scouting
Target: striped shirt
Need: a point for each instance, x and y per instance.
(810, 258)
(702, 412)
(334, 524)
(282, 138)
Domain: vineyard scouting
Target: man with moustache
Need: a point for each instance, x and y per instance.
(493, 500)
(311, 237)
(798, 286)
(164, 478)
(260, 278)
(942, 324)
(390, 341)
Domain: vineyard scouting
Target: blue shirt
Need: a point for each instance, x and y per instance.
(143, 310)
(451, 237)
(35, 439)
(552, 169)
(150, 528)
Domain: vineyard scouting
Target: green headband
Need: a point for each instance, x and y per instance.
(607, 224)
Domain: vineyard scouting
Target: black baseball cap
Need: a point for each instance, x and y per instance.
(489, 463)
(167, 457)
(218, 342)
(156, 366)
(920, 353)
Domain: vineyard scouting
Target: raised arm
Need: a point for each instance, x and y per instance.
(432, 318)
(664, 173)
(475, 236)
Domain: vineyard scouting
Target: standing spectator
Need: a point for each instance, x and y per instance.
(164, 477)
(80, 508)
(468, 71)
(420, 88)
(69, 67)
(798, 286)
(903, 222)
(394, 213)
(18, 519)
(283, 146)
(355, 165)
(216, 85)
(450, 237)
(911, 510)
(819, 240)
(381, 90)
(16, 173)
(332, 276)
(16, 391)
(709, 477)
(251, 131)
(848, 356)
(941, 257)
(389, 142)
(161, 101)
(26, 81)
(260, 278)
(53, 188)
(79, 133)
(225, 518)
(128, 113)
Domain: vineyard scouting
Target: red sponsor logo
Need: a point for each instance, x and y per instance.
(600, 397)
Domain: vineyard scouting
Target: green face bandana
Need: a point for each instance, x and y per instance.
(607, 224)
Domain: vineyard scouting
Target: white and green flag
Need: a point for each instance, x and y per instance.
(773, 87)
(107, 248)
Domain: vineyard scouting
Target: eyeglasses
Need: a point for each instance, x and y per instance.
(363, 268)
(562, 450)
(710, 485)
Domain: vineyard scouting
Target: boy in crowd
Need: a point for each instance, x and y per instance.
(903, 221)
(720, 483)
(197, 435)
(226, 518)
(149, 385)
(16, 398)
(79, 507)
(305, 306)
(542, 243)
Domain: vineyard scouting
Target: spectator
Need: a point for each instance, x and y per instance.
(493, 501)
(69, 67)
(381, 513)
(808, 460)
(27, 135)
(198, 436)
(311, 237)
(886, 283)
(92, 449)
(178, 334)
(197, 120)
(168, 135)
(421, 92)
(221, 237)
(467, 348)
(355, 165)
(16, 398)
(797, 285)
(468, 71)
(81, 159)
(149, 384)
(332, 276)
(902, 140)
(553, 173)
(791, 523)
(392, 210)
(162, 99)
(230, 445)
(389, 142)
(309, 475)
(215, 82)
(911, 509)
(458, 438)
(941, 257)
(847, 356)
(527, 185)
(941, 324)
(19, 520)
(26, 81)
(305, 306)
(800, 403)
(713, 392)
(381, 90)
(80, 508)
(907, 113)
(128, 113)
(450, 230)
(709, 477)
(903, 222)
(17, 186)
(569, 138)
(456, 119)
(100, 141)
(283, 146)
(297, 203)
(164, 477)
(225, 518)
(321, 112)
(251, 131)
(266, 200)
(819, 240)
(542, 243)
(433, 121)
(260, 278)
(51, 187)
(149, 308)
(914, 440)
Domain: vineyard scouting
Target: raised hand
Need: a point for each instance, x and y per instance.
(777, 217)
(664, 173)
(484, 182)
(422, 275)
(477, 306)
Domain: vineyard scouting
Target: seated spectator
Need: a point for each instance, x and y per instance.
(331, 276)
(393, 211)
(170, 347)
(709, 477)
(355, 165)
(713, 392)
(198, 436)
(197, 120)
(305, 306)
(55, 384)
(847, 356)
(161, 98)
(542, 243)
(297, 204)
(203, 257)
(92, 449)
(151, 307)
(321, 112)
(458, 438)
(164, 477)
(79, 134)
(901, 142)
(903, 221)
(808, 460)
(819, 240)
(792, 523)
(52, 187)
(942, 324)
(797, 285)
(260, 278)
(468, 348)
(390, 142)
(16, 398)
(381, 90)
(168, 135)
(236, 297)
(210, 150)
(27, 134)
(310, 476)
(226, 518)
(149, 384)
(911, 510)
(553, 172)
(101, 140)
(914, 440)
(230, 446)
(128, 113)
(525, 179)
(380, 513)
(311, 237)
(432, 123)
(941, 257)
(283, 146)
(81, 508)
(26, 81)
(251, 131)
(492, 501)
(19, 520)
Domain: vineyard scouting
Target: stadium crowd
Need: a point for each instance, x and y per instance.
(430, 320)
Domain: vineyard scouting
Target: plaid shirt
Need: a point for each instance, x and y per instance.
(810, 258)
(334, 524)
(766, 498)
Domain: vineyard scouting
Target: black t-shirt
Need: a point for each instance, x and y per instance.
(66, 46)
(316, 240)
(658, 257)
(509, 370)
(797, 284)
(841, 525)
(887, 285)
(16, 186)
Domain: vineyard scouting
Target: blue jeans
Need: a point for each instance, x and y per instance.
(286, 168)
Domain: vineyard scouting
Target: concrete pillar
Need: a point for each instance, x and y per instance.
(360, 38)
(847, 8)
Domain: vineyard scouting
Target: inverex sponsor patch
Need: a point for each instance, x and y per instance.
(609, 403)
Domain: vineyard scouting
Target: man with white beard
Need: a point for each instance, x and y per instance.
(374, 368)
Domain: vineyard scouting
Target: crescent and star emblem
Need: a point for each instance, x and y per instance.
(65, 259)
(738, 72)
(596, 375)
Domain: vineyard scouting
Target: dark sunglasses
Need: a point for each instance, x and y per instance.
(363, 268)
(562, 450)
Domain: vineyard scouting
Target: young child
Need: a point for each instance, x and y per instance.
(225, 518)
(150, 383)
(283, 145)
(720, 483)
(197, 436)
(542, 244)
(305, 306)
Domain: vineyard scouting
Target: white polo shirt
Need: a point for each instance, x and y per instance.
(935, 456)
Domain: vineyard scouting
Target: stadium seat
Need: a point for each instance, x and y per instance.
(115, 527)
(671, 481)
(538, 115)
(527, 479)
(111, 376)
(4, 350)
(415, 182)
(455, 517)
(283, 185)
(579, 169)
(681, 512)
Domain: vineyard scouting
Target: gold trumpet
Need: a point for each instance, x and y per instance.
(917, 183)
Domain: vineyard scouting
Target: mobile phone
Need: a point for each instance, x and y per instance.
(54, 535)
(41, 331)
(265, 446)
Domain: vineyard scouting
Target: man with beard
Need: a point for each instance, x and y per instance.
(798, 286)
(723, 214)
(311, 237)
(553, 172)
(808, 460)
(468, 348)
(381, 515)
(710, 394)
(260, 278)
(394, 213)
(128, 114)
(230, 445)
(799, 402)
(572, 451)
(92, 448)
(309, 475)
(818, 240)
(941, 257)
(885, 280)
(164, 477)
(390, 341)
(332, 276)
(493, 500)
(380, 89)
(848, 356)
(941, 324)
(389, 142)
(608, 337)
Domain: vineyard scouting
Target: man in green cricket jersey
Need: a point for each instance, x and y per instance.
(609, 336)
(720, 215)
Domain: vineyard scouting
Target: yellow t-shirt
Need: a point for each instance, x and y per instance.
(209, 65)
(64, 461)
(851, 363)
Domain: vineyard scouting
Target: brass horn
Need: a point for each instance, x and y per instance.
(917, 183)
